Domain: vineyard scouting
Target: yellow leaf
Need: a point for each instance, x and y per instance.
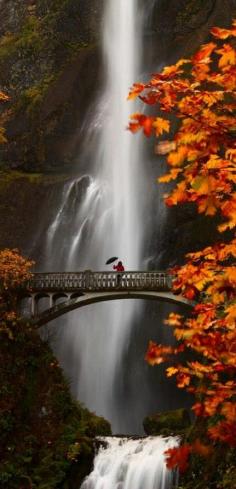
(204, 185)
(231, 316)
(176, 158)
(184, 334)
(231, 154)
(161, 125)
(190, 137)
(171, 371)
(212, 98)
(172, 175)
(228, 55)
(226, 225)
(3, 96)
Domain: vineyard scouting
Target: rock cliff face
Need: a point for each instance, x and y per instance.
(50, 65)
(182, 26)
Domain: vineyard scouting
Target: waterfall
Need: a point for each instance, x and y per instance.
(131, 464)
(100, 216)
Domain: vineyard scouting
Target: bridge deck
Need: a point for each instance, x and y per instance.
(99, 281)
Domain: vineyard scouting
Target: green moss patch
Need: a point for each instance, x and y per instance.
(167, 423)
(9, 177)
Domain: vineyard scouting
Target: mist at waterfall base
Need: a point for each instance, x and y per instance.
(127, 463)
(111, 210)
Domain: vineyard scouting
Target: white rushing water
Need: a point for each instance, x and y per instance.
(100, 216)
(132, 464)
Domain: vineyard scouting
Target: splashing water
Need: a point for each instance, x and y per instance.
(132, 464)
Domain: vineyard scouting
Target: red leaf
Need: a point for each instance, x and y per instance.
(178, 457)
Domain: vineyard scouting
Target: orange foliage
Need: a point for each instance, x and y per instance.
(14, 270)
(205, 144)
(178, 457)
(201, 94)
(3, 97)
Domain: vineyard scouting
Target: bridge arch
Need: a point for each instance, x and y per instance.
(57, 298)
(89, 298)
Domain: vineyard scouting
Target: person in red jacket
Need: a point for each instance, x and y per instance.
(119, 268)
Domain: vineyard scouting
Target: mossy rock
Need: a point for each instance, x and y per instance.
(167, 423)
(95, 425)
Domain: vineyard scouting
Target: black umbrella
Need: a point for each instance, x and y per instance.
(110, 260)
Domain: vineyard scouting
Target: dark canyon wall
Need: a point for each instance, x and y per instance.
(49, 67)
(183, 25)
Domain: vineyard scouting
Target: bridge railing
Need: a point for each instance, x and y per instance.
(97, 281)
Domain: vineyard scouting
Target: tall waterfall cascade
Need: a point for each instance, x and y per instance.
(132, 464)
(107, 220)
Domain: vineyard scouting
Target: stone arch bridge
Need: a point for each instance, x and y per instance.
(63, 292)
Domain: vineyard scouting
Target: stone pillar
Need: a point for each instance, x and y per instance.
(88, 284)
(51, 301)
(33, 305)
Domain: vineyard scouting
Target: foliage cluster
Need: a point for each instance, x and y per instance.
(200, 92)
(44, 434)
(14, 270)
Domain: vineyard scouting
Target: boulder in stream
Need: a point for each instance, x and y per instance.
(167, 423)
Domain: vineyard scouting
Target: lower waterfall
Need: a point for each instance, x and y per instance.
(127, 463)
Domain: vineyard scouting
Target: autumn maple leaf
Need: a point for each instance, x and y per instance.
(161, 125)
(228, 55)
(178, 457)
(3, 97)
(223, 33)
(224, 432)
(203, 55)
